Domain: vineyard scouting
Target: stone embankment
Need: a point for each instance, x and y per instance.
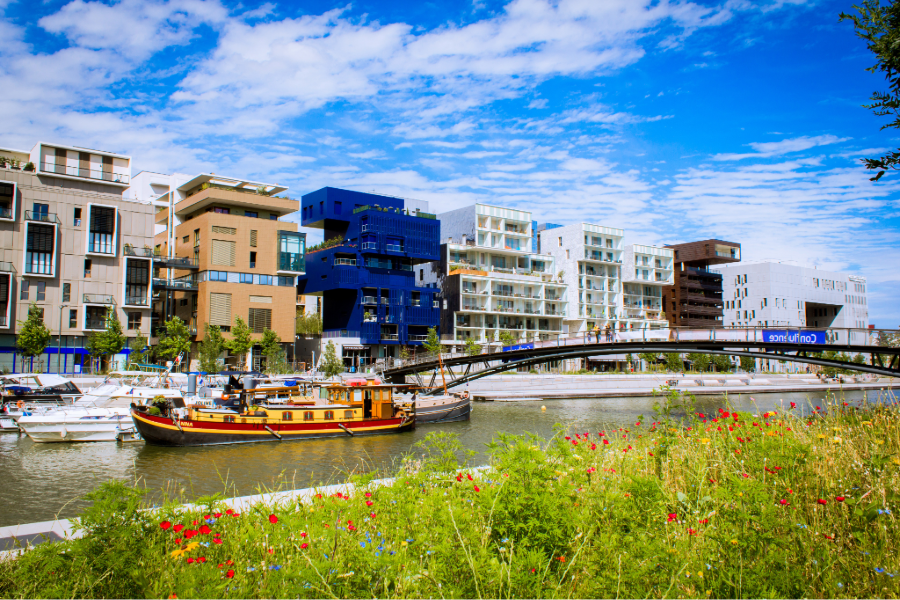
(524, 387)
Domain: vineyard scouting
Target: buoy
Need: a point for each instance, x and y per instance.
(543, 409)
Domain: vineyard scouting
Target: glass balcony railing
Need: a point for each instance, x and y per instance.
(369, 300)
(347, 262)
(99, 299)
(95, 324)
(136, 301)
(7, 267)
(77, 171)
(43, 217)
(293, 262)
(5, 212)
(394, 248)
(145, 252)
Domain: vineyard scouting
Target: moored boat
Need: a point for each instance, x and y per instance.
(445, 408)
(348, 410)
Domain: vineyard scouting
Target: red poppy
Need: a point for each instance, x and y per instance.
(469, 475)
(369, 503)
(303, 534)
(691, 531)
(783, 502)
(704, 521)
(165, 524)
(304, 546)
(533, 570)
(190, 560)
(189, 533)
(217, 540)
(746, 475)
(562, 559)
(459, 477)
(229, 511)
(477, 489)
(372, 515)
(229, 562)
(368, 494)
(606, 442)
(568, 438)
(202, 559)
(193, 522)
(574, 443)
(650, 453)
(206, 516)
(821, 501)
(790, 491)
(178, 541)
(220, 565)
(593, 447)
(204, 529)
(218, 515)
(229, 573)
(273, 519)
(840, 498)
(793, 405)
(178, 528)
(672, 517)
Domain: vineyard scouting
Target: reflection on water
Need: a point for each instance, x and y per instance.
(41, 481)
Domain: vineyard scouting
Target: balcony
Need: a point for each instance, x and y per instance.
(105, 299)
(369, 246)
(7, 267)
(436, 304)
(374, 263)
(76, 171)
(94, 324)
(136, 301)
(394, 248)
(390, 337)
(347, 262)
(415, 302)
(145, 252)
(291, 262)
(173, 262)
(369, 300)
(187, 283)
(402, 267)
(385, 300)
(41, 217)
(418, 338)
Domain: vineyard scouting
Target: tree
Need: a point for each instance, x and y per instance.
(33, 334)
(274, 352)
(331, 364)
(508, 338)
(309, 324)
(722, 363)
(176, 341)
(241, 341)
(137, 345)
(699, 361)
(879, 26)
(747, 363)
(210, 348)
(674, 362)
(109, 342)
(650, 358)
(432, 341)
(472, 348)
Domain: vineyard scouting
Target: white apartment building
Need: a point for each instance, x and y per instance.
(646, 271)
(589, 261)
(775, 294)
(491, 279)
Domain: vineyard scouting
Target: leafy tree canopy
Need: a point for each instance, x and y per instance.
(176, 341)
(241, 339)
(33, 334)
(331, 364)
(433, 341)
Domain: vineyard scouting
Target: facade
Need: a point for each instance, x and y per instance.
(589, 259)
(223, 251)
(774, 294)
(365, 272)
(492, 280)
(695, 299)
(75, 245)
(647, 274)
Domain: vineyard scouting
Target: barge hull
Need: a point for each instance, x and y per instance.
(162, 431)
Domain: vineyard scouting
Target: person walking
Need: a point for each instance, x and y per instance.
(608, 333)
(596, 332)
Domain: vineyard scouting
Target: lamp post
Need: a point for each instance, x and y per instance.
(59, 336)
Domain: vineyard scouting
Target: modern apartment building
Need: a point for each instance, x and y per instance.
(365, 271)
(74, 245)
(695, 299)
(775, 294)
(589, 260)
(647, 274)
(224, 251)
(492, 280)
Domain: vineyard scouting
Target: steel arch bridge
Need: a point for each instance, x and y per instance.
(883, 361)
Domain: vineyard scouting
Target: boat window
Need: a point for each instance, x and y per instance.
(329, 415)
(287, 416)
(229, 419)
(348, 414)
(308, 416)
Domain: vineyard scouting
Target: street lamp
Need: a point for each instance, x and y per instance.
(59, 336)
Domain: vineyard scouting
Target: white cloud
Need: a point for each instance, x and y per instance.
(769, 149)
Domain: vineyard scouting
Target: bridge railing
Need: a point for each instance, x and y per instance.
(834, 337)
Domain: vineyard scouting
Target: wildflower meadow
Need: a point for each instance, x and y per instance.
(775, 504)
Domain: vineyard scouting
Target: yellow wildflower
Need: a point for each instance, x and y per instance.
(838, 440)
(821, 436)
(704, 441)
(734, 542)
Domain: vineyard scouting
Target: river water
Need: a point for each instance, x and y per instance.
(40, 482)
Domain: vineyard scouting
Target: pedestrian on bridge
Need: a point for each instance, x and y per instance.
(608, 333)
(596, 332)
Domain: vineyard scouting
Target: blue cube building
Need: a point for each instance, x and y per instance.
(365, 271)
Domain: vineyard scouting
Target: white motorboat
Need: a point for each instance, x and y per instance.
(102, 415)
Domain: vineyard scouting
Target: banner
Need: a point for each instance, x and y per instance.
(783, 336)
(529, 346)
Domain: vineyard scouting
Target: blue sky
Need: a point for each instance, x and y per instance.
(672, 120)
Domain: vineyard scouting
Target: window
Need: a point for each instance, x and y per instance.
(251, 214)
(218, 275)
(287, 416)
(273, 217)
(186, 239)
(246, 277)
(40, 312)
(102, 229)
(184, 302)
(223, 253)
(76, 216)
(23, 292)
(567, 253)
(265, 280)
(348, 414)
(67, 292)
(220, 310)
(252, 261)
(329, 414)
(229, 419)
(196, 237)
(254, 235)
(222, 211)
(73, 318)
(260, 319)
(560, 242)
(285, 281)
(41, 211)
(308, 415)
(87, 267)
(337, 210)
(134, 320)
(41, 291)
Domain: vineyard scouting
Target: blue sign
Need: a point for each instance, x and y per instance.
(783, 336)
(529, 346)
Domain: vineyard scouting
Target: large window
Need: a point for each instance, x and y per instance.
(260, 319)
(220, 309)
(67, 292)
(134, 320)
(102, 229)
(39, 249)
(223, 253)
(137, 282)
(291, 251)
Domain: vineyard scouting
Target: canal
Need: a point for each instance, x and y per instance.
(41, 482)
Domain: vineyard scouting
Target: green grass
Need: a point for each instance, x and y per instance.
(692, 507)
